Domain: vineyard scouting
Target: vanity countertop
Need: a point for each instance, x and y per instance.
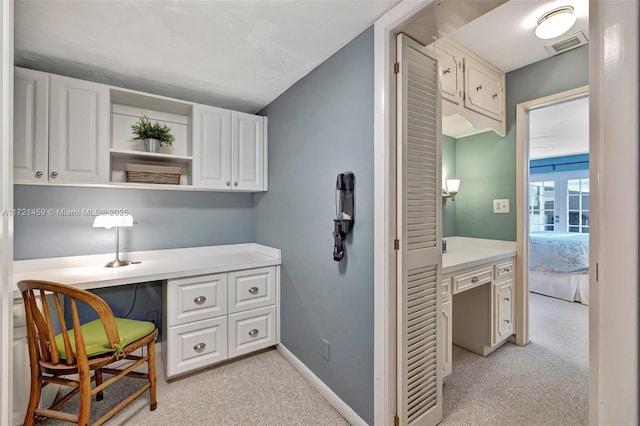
(464, 252)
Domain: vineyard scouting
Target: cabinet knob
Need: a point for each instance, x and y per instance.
(506, 299)
(494, 96)
(199, 347)
(506, 270)
(479, 88)
(228, 183)
(54, 174)
(199, 300)
(507, 321)
(253, 290)
(447, 71)
(475, 279)
(235, 183)
(254, 332)
(39, 174)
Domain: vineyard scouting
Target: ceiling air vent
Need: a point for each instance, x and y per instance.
(567, 43)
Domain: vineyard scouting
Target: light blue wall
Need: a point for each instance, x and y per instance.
(448, 172)
(165, 219)
(486, 163)
(567, 163)
(321, 126)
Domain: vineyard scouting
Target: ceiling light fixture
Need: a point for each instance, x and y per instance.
(555, 22)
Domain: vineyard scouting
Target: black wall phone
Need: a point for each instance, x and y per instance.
(345, 212)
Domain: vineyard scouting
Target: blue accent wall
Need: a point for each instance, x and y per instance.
(568, 163)
(485, 163)
(321, 126)
(448, 172)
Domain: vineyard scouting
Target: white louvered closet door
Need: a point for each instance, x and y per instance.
(419, 267)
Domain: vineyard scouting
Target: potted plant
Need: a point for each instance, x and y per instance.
(153, 134)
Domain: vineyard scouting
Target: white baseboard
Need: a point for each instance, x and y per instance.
(333, 399)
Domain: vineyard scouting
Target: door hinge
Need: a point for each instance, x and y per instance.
(396, 244)
(396, 421)
(396, 68)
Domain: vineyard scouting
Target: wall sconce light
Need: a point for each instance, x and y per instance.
(555, 22)
(110, 221)
(452, 189)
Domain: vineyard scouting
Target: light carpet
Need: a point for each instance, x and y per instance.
(263, 389)
(543, 383)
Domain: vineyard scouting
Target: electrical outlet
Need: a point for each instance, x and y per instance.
(501, 206)
(152, 316)
(325, 349)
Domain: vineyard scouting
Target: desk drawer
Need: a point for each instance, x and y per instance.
(196, 298)
(504, 270)
(196, 345)
(472, 279)
(252, 330)
(250, 289)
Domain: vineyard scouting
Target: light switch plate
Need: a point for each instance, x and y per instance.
(501, 206)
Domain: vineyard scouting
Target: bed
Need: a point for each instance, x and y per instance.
(559, 265)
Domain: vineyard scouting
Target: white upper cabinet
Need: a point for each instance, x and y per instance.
(78, 131)
(472, 91)
(212, 143)
(30, 130)
(230, 149)
(248, 147)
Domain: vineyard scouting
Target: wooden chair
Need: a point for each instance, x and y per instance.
(81, 350)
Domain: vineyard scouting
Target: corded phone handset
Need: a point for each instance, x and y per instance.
(345, 206)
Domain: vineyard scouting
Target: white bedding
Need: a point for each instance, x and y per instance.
(572, 287)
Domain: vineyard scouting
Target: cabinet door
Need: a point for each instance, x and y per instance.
(212, 147)
(481, 84)
(503, 315)
(21, 374)
(450, 68)
(447, 344)
(79, 131)
(30, 128)
(247, 152)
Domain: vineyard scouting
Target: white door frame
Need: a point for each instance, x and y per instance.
(522, 202)
(6, 220)
(613, 71)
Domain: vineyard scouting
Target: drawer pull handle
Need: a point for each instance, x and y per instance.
(506, 270)
(199, 347)
(254, 332)
(495, 95)
(447, 71)
(199, 300)
(506, 299)
(475, 280)
(479, 88)
(253, 290)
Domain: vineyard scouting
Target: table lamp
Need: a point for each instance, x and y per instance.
(108, 221)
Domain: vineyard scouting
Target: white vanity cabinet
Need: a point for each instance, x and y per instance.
(210, 318)
(231, 148)
(447, 328)
(483, 308)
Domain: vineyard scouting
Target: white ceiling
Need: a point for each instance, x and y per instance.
(234, 54)
(560, 129)
(505, 35)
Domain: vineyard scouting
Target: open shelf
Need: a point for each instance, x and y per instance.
(152, 156)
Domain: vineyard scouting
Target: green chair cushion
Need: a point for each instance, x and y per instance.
(95, 338)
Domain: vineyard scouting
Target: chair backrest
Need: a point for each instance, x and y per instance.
(40, 334)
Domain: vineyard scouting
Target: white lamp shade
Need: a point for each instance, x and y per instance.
(555, 23)
(109, 221)
(453, 185)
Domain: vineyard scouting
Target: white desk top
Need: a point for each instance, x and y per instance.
(463, 252)
(88, 272)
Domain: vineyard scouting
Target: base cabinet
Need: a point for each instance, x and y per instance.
(211, 318)
(482, 309)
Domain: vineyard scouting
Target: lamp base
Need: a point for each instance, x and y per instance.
(117, 263)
